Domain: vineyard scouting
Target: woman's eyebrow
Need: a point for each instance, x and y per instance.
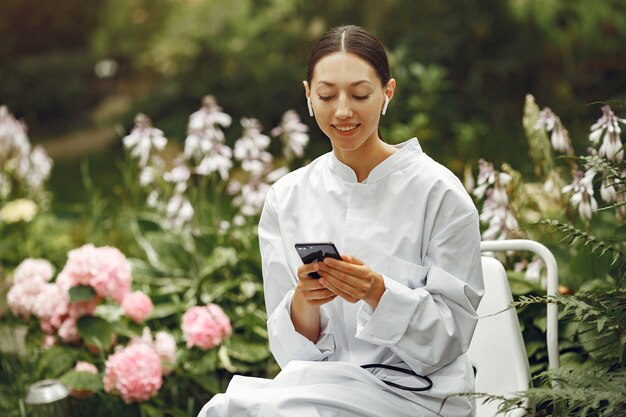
(351, 84)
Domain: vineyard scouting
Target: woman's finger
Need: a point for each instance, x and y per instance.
(330, 284)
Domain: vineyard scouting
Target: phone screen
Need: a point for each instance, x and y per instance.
(316, 252)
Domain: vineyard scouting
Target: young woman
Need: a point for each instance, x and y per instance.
(405, 293)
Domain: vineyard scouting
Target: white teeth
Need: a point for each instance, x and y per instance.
(345, 128)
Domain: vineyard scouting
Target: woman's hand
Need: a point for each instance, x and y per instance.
(309, 289)
(306, 302)
(352, 280)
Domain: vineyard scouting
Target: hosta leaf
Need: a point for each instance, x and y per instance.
(209, 382)
(96, 331)
(81, 293)
(247, 351)
(83, 381)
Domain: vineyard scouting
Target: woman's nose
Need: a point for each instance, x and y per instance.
(343, 109)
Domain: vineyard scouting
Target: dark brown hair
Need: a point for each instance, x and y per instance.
(353, 39)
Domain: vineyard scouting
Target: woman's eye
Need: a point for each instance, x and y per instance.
(362, 97)
(325, 98)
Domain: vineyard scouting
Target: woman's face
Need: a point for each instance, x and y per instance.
(347, 98)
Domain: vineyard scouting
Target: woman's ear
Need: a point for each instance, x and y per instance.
(307, 92)
(390, 88)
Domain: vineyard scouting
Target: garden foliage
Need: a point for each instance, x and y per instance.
(577, 207)
(158, 325)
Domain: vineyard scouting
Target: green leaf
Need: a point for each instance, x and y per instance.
(96, 331)
(148, 410)
(83, 381)
(247, 351)
(81, 293)
(165, 310)
(208, 382)
(55, 362)
(534, 346)
(222, 354)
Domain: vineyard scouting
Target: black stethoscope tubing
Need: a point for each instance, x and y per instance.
(428, 381)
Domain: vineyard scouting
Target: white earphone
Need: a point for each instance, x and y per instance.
(308, 103)
(385, 105)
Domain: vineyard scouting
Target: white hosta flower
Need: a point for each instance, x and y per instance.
(209, 115)
(252, 197)
(19, 210)
(223, 227)
(292, 133)
(276, 174)
(250, 149)
(560, 137)
(582, 194)
(178, 211)
(14, 142)
(143, 138)
(486, 178)
(179, 175)
(607, 190)
(496, 211)
(607, 127)
(205, 139)
(239, 220)
(233, 187)
(40, 166)
(147, 176)
(219, 160)
(532, 269)
(153, 199)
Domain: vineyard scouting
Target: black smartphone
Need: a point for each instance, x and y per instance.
(316, 252)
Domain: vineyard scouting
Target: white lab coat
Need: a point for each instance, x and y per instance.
(412, 221)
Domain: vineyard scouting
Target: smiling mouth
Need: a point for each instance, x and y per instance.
(346, 128)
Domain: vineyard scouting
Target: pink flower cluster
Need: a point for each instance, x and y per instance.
(137, 306)
(206, 326)
(105, 269)
(86, 367)
(163, 344)
(32, 295)
(133, 372)
(29, 280)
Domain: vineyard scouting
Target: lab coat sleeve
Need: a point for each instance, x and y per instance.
(279, 283)
(431, 326)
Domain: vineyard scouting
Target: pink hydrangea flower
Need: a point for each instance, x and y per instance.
(21, 298)
(206, 326)
(33, 269)
(165, 346)
(105, 269)
(137, 306)
(48, 341)
(50, 306)
(82, 366)
(89, 368)
(134, 372)
(29, 280)
(68, 332)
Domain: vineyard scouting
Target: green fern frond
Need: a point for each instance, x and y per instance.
(589, 241)
(580, 392)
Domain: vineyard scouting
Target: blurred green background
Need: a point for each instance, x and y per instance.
(77, 72)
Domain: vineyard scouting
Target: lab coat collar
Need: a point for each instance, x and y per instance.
(406, 152)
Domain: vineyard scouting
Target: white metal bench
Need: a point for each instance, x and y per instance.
(497, 350)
